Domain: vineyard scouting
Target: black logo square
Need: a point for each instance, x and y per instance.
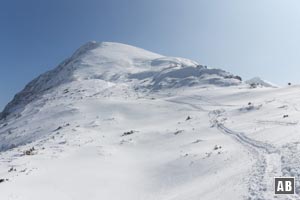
(284, 185)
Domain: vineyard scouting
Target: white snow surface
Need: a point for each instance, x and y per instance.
(117, 122)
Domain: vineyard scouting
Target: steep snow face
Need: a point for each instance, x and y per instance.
(120, 64)
(257, 81)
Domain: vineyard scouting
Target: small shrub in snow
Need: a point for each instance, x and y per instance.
(66, 91)
(188, 118)
(29, 152)
(217, 147)
(12, 169)
(177, 132)
(128, 133)
(3, 180)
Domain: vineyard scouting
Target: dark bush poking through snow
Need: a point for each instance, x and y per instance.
(217, 147)
(12, 169)
(3, 180)
(188, 118)
(29, 152)
(128, 133)
(178, 132)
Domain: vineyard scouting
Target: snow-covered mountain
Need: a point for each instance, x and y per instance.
(118, 122)
(115, 63)
(256, 81)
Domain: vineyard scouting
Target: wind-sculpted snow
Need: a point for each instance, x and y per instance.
(176, 77)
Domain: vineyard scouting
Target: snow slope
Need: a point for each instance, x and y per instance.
(118, 122)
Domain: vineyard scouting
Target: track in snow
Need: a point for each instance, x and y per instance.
(268, 157)
(268, 164)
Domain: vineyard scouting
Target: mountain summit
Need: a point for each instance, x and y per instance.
(115, 63)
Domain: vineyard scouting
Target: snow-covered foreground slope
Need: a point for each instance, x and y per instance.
(116, 122)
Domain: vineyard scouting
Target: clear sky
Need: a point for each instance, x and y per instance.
(247, 38)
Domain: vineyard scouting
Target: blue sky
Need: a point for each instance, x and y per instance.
(248, 38)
